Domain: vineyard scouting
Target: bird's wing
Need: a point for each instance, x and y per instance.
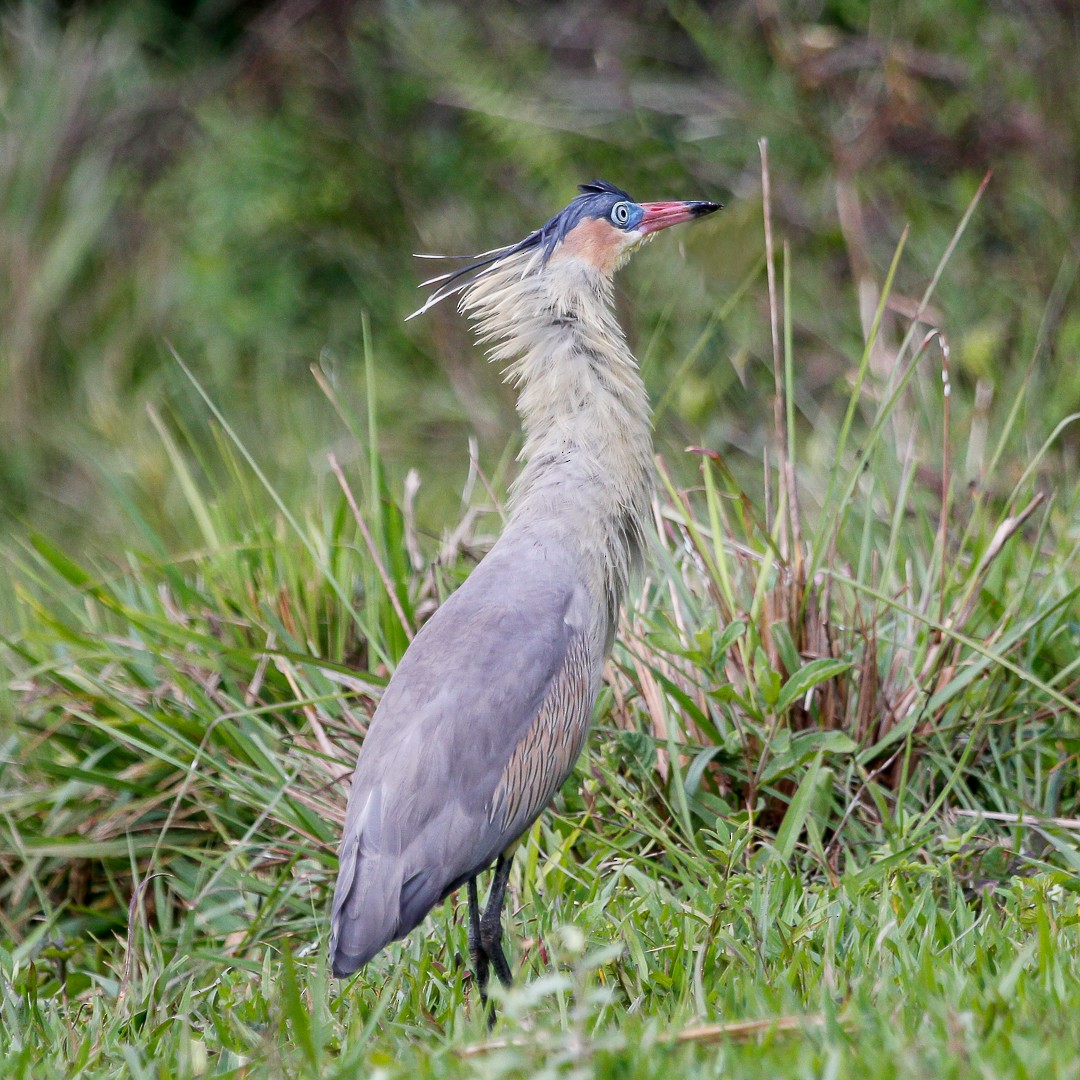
(481, 722)
(544, 755)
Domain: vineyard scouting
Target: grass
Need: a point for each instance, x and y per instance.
(827, 824)
(901, 971)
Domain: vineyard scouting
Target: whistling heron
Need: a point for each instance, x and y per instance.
(490, 705)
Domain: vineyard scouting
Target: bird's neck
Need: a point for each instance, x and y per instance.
(588, 447)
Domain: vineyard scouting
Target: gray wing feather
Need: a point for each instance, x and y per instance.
(435, 796)
(544, 756)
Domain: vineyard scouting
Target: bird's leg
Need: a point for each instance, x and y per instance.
(476, 949)
(491, 923)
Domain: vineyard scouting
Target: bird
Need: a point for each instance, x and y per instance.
(489, 707)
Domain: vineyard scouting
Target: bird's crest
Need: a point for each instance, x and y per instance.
(602, 187)
(596, 199)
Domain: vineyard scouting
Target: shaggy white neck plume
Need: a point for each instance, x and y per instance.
(584, 409)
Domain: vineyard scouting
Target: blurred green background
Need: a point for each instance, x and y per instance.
(245, 183)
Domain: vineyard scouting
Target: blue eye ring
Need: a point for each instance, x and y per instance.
(620, 215)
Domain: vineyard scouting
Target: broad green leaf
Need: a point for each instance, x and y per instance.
(807, 677)
(795, 819)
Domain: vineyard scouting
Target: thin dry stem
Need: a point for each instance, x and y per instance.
(732, 1031)
(391, 592)
(1028, 821)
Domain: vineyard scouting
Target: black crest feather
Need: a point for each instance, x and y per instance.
(602, 187)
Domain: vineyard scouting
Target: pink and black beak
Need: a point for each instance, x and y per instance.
(661, 215)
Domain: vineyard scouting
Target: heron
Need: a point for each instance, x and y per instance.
(489, 708)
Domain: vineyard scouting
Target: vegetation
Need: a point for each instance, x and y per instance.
(828, 823)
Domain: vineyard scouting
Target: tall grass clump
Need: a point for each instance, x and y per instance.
(851, 658)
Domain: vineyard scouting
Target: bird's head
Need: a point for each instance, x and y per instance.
(601, 227)
(604, 225)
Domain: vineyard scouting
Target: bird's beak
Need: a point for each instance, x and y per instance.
(659, 215)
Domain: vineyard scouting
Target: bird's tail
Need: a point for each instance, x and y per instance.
(366, 914)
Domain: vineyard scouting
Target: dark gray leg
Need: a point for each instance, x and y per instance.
(491, 923)
(476, 948)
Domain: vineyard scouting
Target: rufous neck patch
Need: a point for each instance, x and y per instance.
(596, 242)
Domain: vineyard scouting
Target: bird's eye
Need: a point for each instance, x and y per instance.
(620, 214)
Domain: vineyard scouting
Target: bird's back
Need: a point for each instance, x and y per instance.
(479, 726)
